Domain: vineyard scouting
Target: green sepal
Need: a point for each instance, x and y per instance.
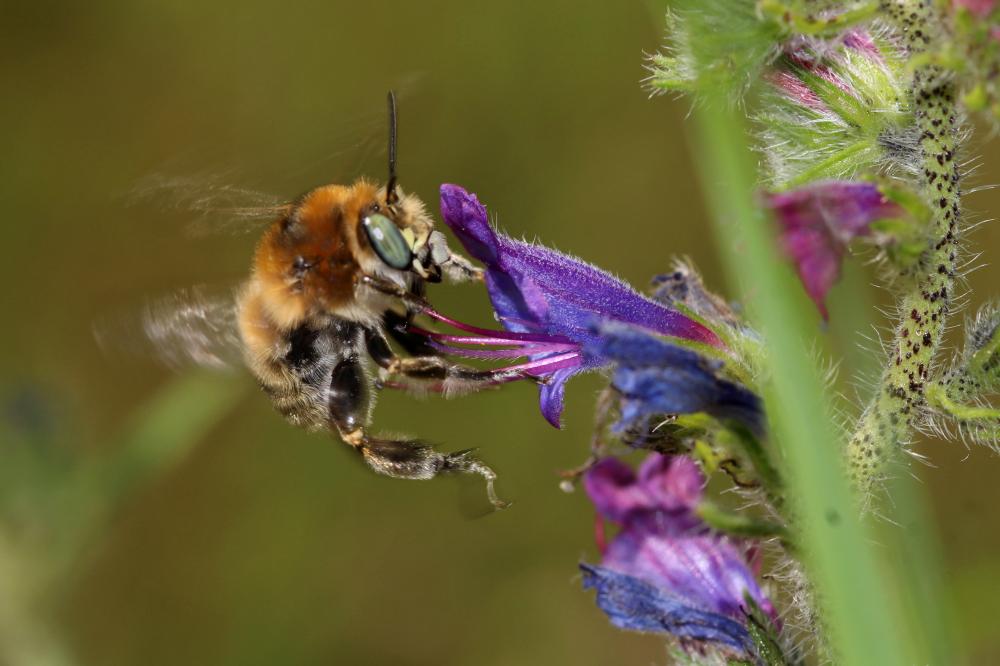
(714, 45)
(764, 635)
(857, 125)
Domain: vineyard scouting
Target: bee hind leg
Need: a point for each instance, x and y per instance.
(411, 459)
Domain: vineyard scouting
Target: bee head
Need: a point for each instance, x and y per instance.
(310, 261)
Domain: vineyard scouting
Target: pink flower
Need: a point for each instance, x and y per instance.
(816, 223)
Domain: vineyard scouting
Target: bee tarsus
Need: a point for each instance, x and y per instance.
(412, 459)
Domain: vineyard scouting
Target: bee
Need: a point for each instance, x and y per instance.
(340, 272)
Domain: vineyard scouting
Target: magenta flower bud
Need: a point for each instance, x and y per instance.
(794, 88)
(816, 223)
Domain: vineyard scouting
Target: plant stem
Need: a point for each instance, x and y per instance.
(924, 306)
(836, 547)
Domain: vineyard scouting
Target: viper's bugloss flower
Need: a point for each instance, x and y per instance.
(549, 303)
(666, 571)
(816, 223)
(653, 377)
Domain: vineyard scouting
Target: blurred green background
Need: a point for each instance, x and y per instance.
(262, 544)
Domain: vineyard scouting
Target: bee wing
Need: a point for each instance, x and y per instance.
(209, 204)
(190, 327)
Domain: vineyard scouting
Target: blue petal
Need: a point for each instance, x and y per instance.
(539, 289)
(651, 391)
(633, 604)
(578, 293)
(467, 218)
(518, 302)
(633, 347)
(656, 377)
(550, 395)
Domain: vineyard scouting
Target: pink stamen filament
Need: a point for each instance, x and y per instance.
(517, 352)
(549, 364)
(561, 352)
(466, 339)
(507, 336)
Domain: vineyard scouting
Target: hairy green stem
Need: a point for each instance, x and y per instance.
(924, 305)
(836, 546)
(937, 396)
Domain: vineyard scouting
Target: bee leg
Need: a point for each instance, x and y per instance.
(396, 324)
(412, 459)
(413, 302)
(436, 368)
(460, 269)
(454, 266)
(464, 376)
(438, 256)
(347, 407)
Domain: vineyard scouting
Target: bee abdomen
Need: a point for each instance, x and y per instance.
(300, 406)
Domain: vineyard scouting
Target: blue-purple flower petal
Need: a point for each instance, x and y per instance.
(656, 377)
(666, 570)
(537, 290)
(702, 569)
(551, 395)
(661, 484)
(633, 604)
(534, 288)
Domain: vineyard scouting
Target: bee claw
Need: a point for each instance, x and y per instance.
(462, 461)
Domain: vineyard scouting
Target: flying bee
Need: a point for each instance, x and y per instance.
(340, 272)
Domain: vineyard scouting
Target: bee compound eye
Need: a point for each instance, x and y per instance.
(388, 241)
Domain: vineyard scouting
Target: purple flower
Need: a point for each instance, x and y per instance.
(549, 303)
(655, 377)
(666, 571)
(816, 223)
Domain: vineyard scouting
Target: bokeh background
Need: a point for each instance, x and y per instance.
(151, 517)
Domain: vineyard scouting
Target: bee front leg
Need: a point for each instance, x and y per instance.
(413, 302)
(456, 267)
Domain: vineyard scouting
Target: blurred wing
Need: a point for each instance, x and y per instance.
(190, 327)
(208, 203)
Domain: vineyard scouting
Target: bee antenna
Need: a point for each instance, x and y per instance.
(390, 188)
